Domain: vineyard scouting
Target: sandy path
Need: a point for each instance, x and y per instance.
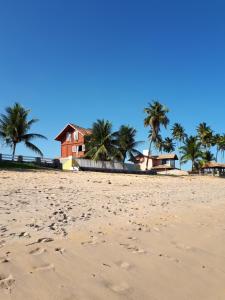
(111, 236)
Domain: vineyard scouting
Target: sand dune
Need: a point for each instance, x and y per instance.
(111, 236)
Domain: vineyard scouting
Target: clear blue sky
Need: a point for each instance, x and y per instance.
(76, 61)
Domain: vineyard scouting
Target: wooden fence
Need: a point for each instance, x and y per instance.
(40, 161)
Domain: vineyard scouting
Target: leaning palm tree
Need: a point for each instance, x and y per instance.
(168, 145)
(101, 143)
(156, 116)
(205, 135)
(179, 135)
(15, 126)
(126, 143)
(191, 150)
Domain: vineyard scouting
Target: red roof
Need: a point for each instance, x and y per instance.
(82, 130)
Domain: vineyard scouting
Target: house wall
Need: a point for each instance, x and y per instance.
(142, 165)
(67, 146)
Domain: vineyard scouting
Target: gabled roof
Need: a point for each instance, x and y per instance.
(167, 156)
(158, 157)
(213, 164)
(83, 131)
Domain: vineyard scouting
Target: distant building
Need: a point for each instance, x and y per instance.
(156, 162)
(72, 141)
(213, 168)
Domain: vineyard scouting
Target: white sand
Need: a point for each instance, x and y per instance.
(111, 236)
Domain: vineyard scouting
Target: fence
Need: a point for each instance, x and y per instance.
(41, 161)
(87, 164)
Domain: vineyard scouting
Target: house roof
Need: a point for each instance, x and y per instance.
(213, 165)
(167, 156)
(158, 157)
(82, 130)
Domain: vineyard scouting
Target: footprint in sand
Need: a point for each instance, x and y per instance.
(60, 250)
(120, 288)
(133, 248)
(37, 251)
(124, 265)
(45, 267)
(6, 281)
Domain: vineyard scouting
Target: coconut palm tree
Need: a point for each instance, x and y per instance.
(191, 150)
(159, 143)
(125, 141)
(205, 135)
(208, 156)
(168, 145)
(101, 143)
(156, 116)
(179, 135)
(15, 126)
(221, 144)
(216, 139)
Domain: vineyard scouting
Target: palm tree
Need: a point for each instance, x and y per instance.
(221, 144)
(168, 145)
(216, 139)
(101, 143)
(208, 156)
(125, 141)
(179, 135)
(191, 150)
(158, 143)
(15, 126)
(156, 116)
(205, 135)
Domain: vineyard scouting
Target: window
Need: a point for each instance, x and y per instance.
(76, 135)
(68, 137)
(74, 149)
(80, 148)
(164, 161)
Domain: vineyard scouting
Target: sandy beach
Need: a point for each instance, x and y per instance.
(83, 236)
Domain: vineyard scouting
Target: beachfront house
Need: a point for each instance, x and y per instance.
(72, 139)
(160, 162)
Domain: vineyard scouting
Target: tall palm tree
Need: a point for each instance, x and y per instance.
(205, 135)
(158, 143)
(179, 135)
(156, 116)
(101, 144)
(216, 140)
(15, 126)
(191, 150)
(221, 144)
(168, 145)
(125, 141)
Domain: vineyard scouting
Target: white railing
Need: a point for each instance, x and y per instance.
(49, 162)
(107, 165)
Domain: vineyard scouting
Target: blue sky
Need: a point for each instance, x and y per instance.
(76, 61)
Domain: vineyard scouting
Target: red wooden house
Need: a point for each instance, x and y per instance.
(72, 140)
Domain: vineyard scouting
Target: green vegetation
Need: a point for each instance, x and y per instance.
(15, 126)
(156, 116)
(103, 144)
(19, 165)
(196, 149)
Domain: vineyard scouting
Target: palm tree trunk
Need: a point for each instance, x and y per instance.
(149, 151)
(14, 150)
(179, 145)
(192, 165)
(217, 150)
